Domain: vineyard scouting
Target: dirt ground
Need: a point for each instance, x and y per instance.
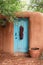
(8, 59)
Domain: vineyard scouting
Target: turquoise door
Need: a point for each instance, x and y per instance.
(21, 35)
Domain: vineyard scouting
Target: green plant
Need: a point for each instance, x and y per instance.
(9, 7)
(36, 5)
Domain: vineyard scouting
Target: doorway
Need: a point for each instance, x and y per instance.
(21, 43)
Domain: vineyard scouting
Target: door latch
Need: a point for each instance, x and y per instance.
(16, 35)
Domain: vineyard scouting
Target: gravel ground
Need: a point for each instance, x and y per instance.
(8, 59)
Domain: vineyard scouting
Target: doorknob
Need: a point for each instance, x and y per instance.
(21, 32)
(15, 34)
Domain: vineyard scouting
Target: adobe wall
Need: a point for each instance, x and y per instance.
(6, 37)
(35, 34)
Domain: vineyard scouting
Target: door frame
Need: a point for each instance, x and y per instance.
(24, 22)
(23, 15)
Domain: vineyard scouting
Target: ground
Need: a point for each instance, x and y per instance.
(8, 59)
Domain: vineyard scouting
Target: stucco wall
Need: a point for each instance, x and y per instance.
(35, 33)
(6, 37)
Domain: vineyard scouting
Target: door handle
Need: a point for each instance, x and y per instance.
(21, 32)
(16, 35)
